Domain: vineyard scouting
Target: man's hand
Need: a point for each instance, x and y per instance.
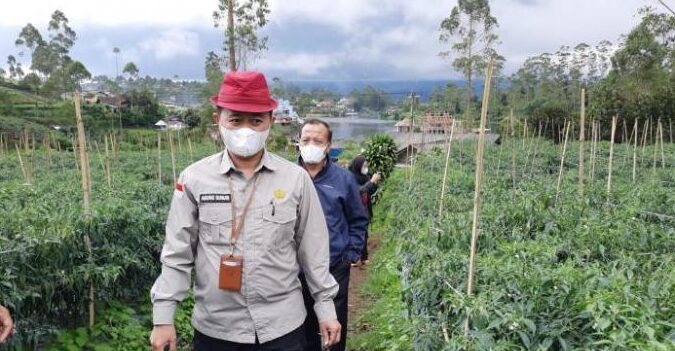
(163, 335)
(376, 178)
(6, 324)
(330, 332)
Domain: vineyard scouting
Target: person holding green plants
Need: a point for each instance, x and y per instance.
(367, 187)
(345, 216)
(247, 222)
(6, 324)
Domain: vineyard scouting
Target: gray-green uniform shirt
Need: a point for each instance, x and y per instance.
(284, 231)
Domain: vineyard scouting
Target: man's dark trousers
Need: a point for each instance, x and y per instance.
(341, 274)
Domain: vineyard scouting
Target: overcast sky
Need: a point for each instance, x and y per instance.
(314, 39)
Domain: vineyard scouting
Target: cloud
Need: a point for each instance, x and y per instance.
(320, 39)
(172, 43)
(303, 64)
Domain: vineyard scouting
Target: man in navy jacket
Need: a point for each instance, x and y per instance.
(345, 216)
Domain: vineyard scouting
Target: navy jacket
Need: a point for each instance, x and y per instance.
(345, 216)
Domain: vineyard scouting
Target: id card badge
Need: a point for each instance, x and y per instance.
(230, 272)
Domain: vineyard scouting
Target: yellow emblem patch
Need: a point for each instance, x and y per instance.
(279, 194)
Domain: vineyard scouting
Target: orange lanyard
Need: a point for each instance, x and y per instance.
(236, 224)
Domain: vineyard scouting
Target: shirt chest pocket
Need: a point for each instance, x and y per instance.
(215, 223)
(279, 225)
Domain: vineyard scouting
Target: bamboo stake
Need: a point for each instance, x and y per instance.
(159, 157)
(651, 132)
(654, 146)
(663, 156)
(536, 151)
(530, 151)
(27, 143)
(567, 128)
(478, 187)
(635, 130)
(2, 143)
(86, 190)
(645, 128)
(173, 157)
(48, 149)
(23, 169)
(77, 163)
(611, 156)
(108, 174)
(445, 172)
(461, 153)
(524, 133)
(582, 137)
(513, 152)
(115, 147)
(180, 143)
(100, 158)
(670, 126)
(594, 147)
(190, 149)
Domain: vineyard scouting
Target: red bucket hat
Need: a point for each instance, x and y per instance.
(245, 92)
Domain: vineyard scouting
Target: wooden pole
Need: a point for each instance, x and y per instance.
(86, 190)
(108, 174)
(230, 35)
(478, 187)
(23, 169)
(100, 158)
(663, 156)
(116, 146)
(77, 163)
(190, 149)
(635, 143)
(180, 143)
(445, 172)
(645, 128)
(48, 148)
(535, 141)
(412, 133)
(594, 146)
(611, 156)
(568, 126)
(655, 144)
(159, 157)
(513, 151)
(582, 131)
(173, 156)
(524, 132)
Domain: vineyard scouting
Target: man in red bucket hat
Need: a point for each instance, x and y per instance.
(248, 222)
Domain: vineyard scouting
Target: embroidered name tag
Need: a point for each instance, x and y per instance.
(215, 198)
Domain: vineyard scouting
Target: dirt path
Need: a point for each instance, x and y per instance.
(358, 276)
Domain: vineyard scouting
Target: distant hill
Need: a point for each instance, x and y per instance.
(19, 97)
(397, 88)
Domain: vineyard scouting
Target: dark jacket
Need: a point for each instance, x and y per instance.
(345, 216)
(366, 187)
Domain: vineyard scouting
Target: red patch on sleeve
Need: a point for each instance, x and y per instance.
(180, 187)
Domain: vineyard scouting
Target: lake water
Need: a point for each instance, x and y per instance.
(358, 128)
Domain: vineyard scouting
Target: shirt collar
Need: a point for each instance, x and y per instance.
(323, 170)
(267, 162)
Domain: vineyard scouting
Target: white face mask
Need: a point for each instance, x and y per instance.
(364, 170)
(244, 142)
(312, 154)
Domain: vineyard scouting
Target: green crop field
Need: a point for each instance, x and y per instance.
(591, 272)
